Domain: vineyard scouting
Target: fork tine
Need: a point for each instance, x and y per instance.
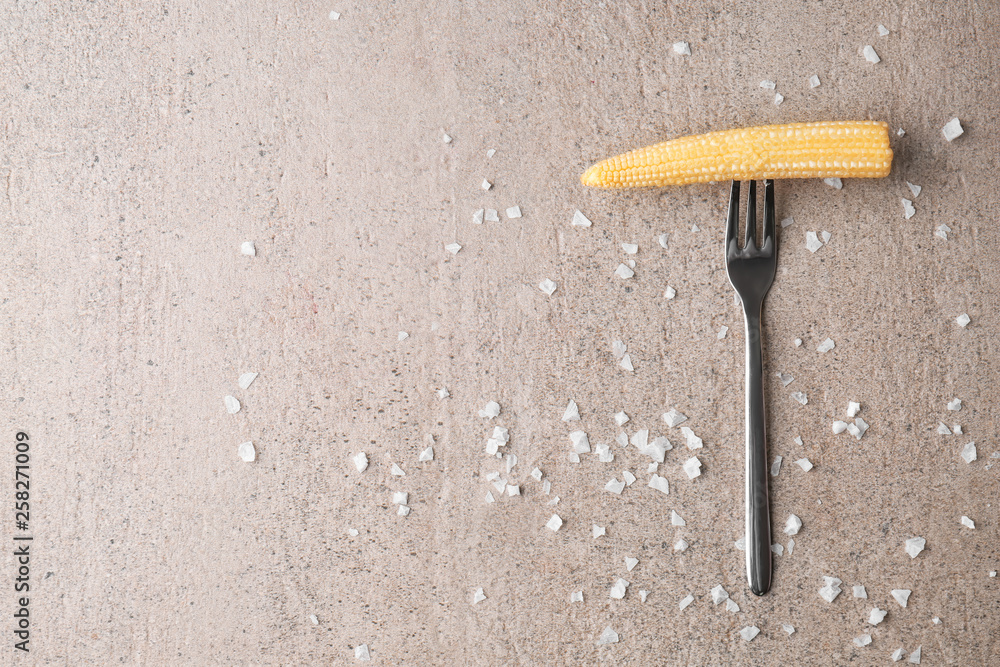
(769, 213)
(733, 221)
(751, 234)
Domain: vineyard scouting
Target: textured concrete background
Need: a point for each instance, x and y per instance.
(142, 143)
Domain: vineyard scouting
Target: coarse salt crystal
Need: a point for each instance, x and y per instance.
(581, 443)
(676, 520)
(692, 467)
(785, 379)
(914, 546)
(554, 501)
(831, 589)
(248, 249)
(797, 440)
(443, 393)
(546, 487)
(555, 523)
(491, 215)
(826, 345)
(963, 320)
(722, 332)
(812, 242)
(685, 602)
(246, 380)
(622, 439)
(853, 408)
(863, 640)
(513, 490)
(604, 453)
(453, 248)
(313, 619)
(908, 210)
(630, 563)
(805, 464)
(446, 138)
(400, 498)
(719, 594)
(767, 85)
(682, 48)
(798, 342)
(513, 212)
(580, 220)
(942, 231)
(788, 628)
(936, 621)
(643, 595)
(860, 592)
(901, 595)
(777, 549)
(618, 589)
(870, 55)
(674, 418)
(628, 477)
(360, 461)
(397, 471)
(732, 606)
(943, 429)
(952, 129)
(621, 418)
(486, 185)
(547, 286)
(630, 248)
(426, 455)
(915, 189)
(787, 222)
(882, 30)
(576, 596)
(741, 544)
(800, 397)
(969, 452)
(897, 655)
(640, 438)
(353, 532)
(490, 410)
(860, 426)
(491, 152)
(834, 183)
(778, 99)
(915, 657)
(232, 405)
(624, 272)
(826, 236)
(659, 483)
(618, 349)
(793, 525)
(662, 239)
(402, 335)
(680, 545)
(749, 632)
(246, 452)
(968, 523)
(479, 596)
(572, 412)
(839, 426)
(403, 510)
(360, 652)
(776, 466)
(876, 616)
(489, 497)
(477, 217)
(900, 132)
(626, 362)
(693, 441)
(814, 81)
(614, 486)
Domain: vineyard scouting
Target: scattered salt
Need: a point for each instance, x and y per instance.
(863, 640)
(722, 332)
(741, 544)
(477, 217)
(788, 628)
(630, 248)
(942, 231)
(767, 85)
(628, 477)
(604, 453)
(676, 520)
(897, 655)
(443, 393)
(908, 210)
(831, 589)
(800, 397)
(915, 189)
(547, 286)
(692, 467)
(812, 242)
(785, 379)
(643, 595)
(680, 545)
(777, 549)
(576, 596)
(353, 532)
(914, 546)
(555, 523)
(581, 443)
(572, 412)
(749, 632)
(486, 185)
(479, 596)
(624, 272)
(693, 441)
(232, 405)
(876, 616)
(397, 471)
(963, 320)
(901, 595)
(621, 418)
(839, 426)
(860, 592)
(597, 531)
(826, 236)
(403, 510)
(915, 657)
(491, 215)
(952, 129)
(400, 498)
(826, 345)
(936, 621)
(834, 183)
(791, 546)
(793, 525)
(580, 220)
(630, 563)
(626, 362)
(618, 589)
(246, 380)
(870, 55)
(360, 461)
(248, 249)
(674, 418)
(490, 410)
(662, 239)
(719, 594)
(360, 652)
(513, 490)
(798, 342)
(778, 99)
(659, 483)
(246, 452)
(968, 523)
(882, 30)
(426, 455)
(787, 222)
(685, 602)
(969, 452)
(489, 497)
(513, 212)
(731, 606)
(900, 132)
(682, 48)
(814, 81)
(614, 486)
(453, 248)
(491, 152)
(446, 138)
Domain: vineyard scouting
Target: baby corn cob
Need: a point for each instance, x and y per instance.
(845, 149)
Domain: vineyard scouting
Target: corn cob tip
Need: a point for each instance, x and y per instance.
(592, 177)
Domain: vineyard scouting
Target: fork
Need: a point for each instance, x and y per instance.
(751, 272)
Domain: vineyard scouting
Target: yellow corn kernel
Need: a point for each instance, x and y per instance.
(843, 149)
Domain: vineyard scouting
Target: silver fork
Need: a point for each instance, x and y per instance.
(751, 272)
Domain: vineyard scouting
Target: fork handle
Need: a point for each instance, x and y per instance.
(758, 519)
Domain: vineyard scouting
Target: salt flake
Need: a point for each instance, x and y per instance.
(246, 380)
(513, 212)
(477, 217)
(692, 467)
(693, 441)
(247, 248)
(624, 272)
(662, 239)
(785, 379)
(598, 531)
(876, 616)
(767, 85)
(800, 397)
(942, 231)
(863, 640)
(793, 525)
(491, 215)
(788, 628)
(969, 452)
(360, 461)
(814, 81)
(403, 510)
(680, 545)
(626, 363)
(908, 210)
(831, 589)
(776, 466)
(621, 418)
(826, 345)
(453, 248)
(576, 596)
(486, 185)
(685, 602)
(897, 655)
(630, 248)
(614, 486)
(572, 412)
(490, 410)
(778, 99)
(853, 408)
(963, 320)
(548, 286)
(581, 443)
(555, 523)
(580, 220)
(812, 242)
(870, 55)
(676, 520)
(882, 30)
(618, 589)
(628, 477)
(479, 596)
(426, 455)
(952, 130)
(397, 471)
(674, 418)
(901, 595)
(360, 652)
(719, 594)
(839, 426)
(834, 183)
(860, 592)
(682, 48)
(731, 606)
(914, 546)
(400, 498)
(787, 222)
(246, 452)
(915, 189)
(915, 657)
(232, 405)
(777, 549)
(749, 632)
(722, 332)
(630, 563)
(643, 595)
(968, 523)
(658, 483)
